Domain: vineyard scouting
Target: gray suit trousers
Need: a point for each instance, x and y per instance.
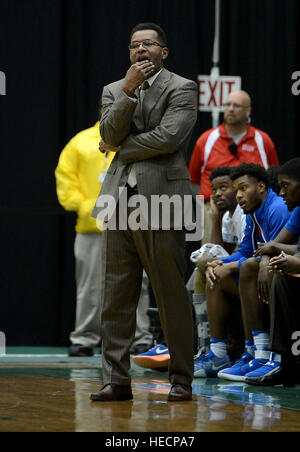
(162, 255)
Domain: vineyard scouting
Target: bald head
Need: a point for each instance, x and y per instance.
(239, 97)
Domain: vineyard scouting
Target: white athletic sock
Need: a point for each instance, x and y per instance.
(218, 347)
(275, 357)
(261, 342)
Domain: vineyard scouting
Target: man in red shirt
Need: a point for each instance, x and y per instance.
(232, 143)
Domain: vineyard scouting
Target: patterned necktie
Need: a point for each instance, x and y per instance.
(143, 91)
(132, 177)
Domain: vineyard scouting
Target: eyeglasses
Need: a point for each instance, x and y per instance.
(147, 43)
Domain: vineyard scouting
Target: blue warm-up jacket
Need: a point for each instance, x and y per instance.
(271, 217)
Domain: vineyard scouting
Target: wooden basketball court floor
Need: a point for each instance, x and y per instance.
(44, 390)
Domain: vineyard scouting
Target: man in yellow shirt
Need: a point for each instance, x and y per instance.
(79, 176)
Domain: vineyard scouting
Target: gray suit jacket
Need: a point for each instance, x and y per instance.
(153, 137)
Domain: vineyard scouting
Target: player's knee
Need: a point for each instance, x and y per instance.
(249, 268)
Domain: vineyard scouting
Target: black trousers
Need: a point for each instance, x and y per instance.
(285, 314)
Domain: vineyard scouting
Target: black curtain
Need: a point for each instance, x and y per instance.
(56, 56)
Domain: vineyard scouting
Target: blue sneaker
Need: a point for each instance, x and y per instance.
(234, 372)
(240, 371)
(156, 358)
(207, 366)
(264, 373)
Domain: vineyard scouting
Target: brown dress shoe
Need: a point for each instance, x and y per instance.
(180, 393)
(111, 392)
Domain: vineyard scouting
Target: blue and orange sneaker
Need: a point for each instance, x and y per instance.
(156, 358)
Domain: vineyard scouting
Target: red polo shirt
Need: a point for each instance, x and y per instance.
(211, 151)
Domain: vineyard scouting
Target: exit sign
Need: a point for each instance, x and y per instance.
(213, 91)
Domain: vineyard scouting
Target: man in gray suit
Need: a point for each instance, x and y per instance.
(152, 126)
